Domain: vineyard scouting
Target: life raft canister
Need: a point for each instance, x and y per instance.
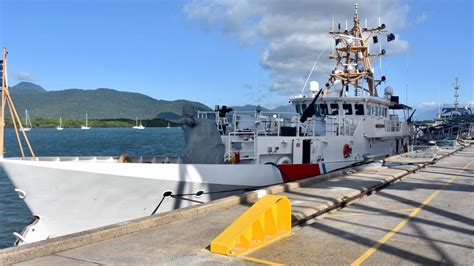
(347, 151)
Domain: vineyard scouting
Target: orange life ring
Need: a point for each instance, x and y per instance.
(347, 151)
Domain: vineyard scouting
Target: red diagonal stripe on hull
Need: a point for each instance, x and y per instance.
(294, 172)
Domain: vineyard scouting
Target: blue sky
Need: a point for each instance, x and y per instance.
(181, 49)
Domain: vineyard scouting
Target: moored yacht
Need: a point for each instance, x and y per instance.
(138, 126)
(343, 124)
(60, 127)
(86, 126)
(28, 125)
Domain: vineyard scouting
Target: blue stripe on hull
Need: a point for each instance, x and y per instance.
(324, 168)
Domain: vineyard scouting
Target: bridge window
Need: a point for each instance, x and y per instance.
(359, 109)
(324, 109)
(334, 108)
(298, 108)
(347, 108)
(317, 110)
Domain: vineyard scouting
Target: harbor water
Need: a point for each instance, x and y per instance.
(14, 214)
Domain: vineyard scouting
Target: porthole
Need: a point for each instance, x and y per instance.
(199, 194)
(167, 193)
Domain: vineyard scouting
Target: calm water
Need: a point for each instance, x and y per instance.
(14, 214)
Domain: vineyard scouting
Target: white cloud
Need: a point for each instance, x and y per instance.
(23, 76)
(247, 87)
(429, 104)
(294, 32)
(422, 17)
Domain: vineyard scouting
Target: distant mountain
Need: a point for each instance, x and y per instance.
(168, 116)
(285, 109)
(249, 107)
(99, 103)
(427, 114)
(27, 88)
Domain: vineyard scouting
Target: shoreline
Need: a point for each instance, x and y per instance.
(94, 123)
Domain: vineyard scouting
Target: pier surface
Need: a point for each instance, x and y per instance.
(425, 217)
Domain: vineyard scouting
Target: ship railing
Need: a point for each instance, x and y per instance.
(465, 130)
(392, 126)
(470, 133)
(222, 123)
(245, 143)
(261, 123)
(206, 114)
(109, 159)
(422, 151)
(341, 126)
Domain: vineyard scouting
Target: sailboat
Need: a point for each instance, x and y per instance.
(86, 126)
(168, 125)
(28, 125)
(137, 126)
(60, 127)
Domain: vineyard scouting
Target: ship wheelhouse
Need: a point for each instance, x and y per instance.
(353, 110)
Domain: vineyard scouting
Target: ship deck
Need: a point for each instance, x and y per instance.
(423, 217)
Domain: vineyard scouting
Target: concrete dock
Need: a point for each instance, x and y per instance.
(407, 214)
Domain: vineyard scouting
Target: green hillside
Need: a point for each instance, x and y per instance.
(99, 103)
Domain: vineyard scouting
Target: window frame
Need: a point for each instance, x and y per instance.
(298, 109)
(345, 110)
(325, 109)
(334, 111)
(356, 109)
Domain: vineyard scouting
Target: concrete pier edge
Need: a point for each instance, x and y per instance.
(54, 245)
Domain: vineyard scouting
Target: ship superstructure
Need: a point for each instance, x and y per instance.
(345, 122)
(455, 110)
(228, 153)
(453, 121)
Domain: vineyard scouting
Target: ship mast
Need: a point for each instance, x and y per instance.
(352, 55)
(456, 94)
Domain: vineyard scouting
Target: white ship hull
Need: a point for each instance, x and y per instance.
(332, 128)
(73, 194)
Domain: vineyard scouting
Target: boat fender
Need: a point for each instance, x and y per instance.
(235, 158)
(284, 160)
(347, 151)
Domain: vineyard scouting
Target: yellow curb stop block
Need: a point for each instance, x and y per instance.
(268, 220)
